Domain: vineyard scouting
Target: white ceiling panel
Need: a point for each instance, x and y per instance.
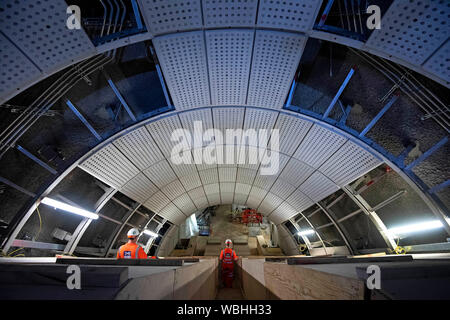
(183, 169)
(197, 193)
(229, 58)
(282, 189)
(172, 213)
(318, 187)
(270, 203)
(212, 188)
(203, 117)
(140, 148)
(228, 118)
(214, 199)
(439, 62)
(275, 59)
(226, 198)
(173, 189)
(225, 13)
(255, 196)
(191, 181)
(160, 174)
(240, 199)
(165, 16)
(412, 30)
(162, 130)
(318, 145)
(140, 188)
(296, 172)
(16, 70)
(183, 61)
(185, 204)
(206, 157)
(282, 213)
(227, 187)
(349, 163)
(245, 176)
(110, 166)
(227, 174)
(157, 202)
(39, 29)
(292, 130)
(298, 15)
(242, 188)
(299, 201)
(209, 176)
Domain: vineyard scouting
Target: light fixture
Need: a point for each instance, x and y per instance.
(67, 207)
(151, 233)
(306, 232)
(416, 227)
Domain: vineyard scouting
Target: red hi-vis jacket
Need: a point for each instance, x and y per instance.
(131, 251)
(228, 255)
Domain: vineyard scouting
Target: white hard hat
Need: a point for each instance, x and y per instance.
(132, 233)
(228, 241)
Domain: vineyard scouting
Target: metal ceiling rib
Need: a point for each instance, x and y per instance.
(183, 61)
(439, 62)
(165, 16)
(298, 15)
(203, 117)
(275, 60)
(172, 213)
(296, 184)
(225, 13)
(43, 35)
(412, 30)
(229, 58)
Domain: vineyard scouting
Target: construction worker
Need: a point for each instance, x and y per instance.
(227, 257)
(131, 250)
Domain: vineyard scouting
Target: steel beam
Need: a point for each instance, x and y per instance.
(325, 13)
(428, 153)
(345, 235)
(379, 115)
(83, 119)
(304, 238)
(121, 99)
(291, 94)
(137, 14)
(365, 207)
(18, 188)
(439, 187)
(36, 159)
(338, 94)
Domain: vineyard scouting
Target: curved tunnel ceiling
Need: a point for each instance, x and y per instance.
(314, 162)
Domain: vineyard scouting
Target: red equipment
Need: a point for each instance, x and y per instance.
(251, 216)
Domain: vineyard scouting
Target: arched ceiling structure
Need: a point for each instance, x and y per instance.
(230, 65)
(314, 162)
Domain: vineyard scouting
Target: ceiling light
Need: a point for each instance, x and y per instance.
(151, 233)
(67, 207)
(306, 232)
(416, 227)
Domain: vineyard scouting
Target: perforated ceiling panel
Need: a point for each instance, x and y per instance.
(173, 189)
(439, 62)
(226, 13)
(299, 200)
(292, 130)
(275, 60)
(140, 148)
(16, 68)
(296, 15)
(172, 213)
(270, 203)
(318, 145)
(43, 35)
(412, 30)
(157, 202)
(162, 131)
(228, 118)
(348, 163)
(296, 172)
(203, 117)
(160, 173)
(185, 204)
(183, 60)
(110, 166)
(318, 187)
(165, 16)
(139, 188)
(282, 213)
(191, 181)
(229, 57)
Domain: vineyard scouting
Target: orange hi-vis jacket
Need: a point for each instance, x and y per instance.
(227, 256)
(131, 251)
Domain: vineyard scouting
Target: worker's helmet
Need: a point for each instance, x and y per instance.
(133, 233)
(228, 242)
